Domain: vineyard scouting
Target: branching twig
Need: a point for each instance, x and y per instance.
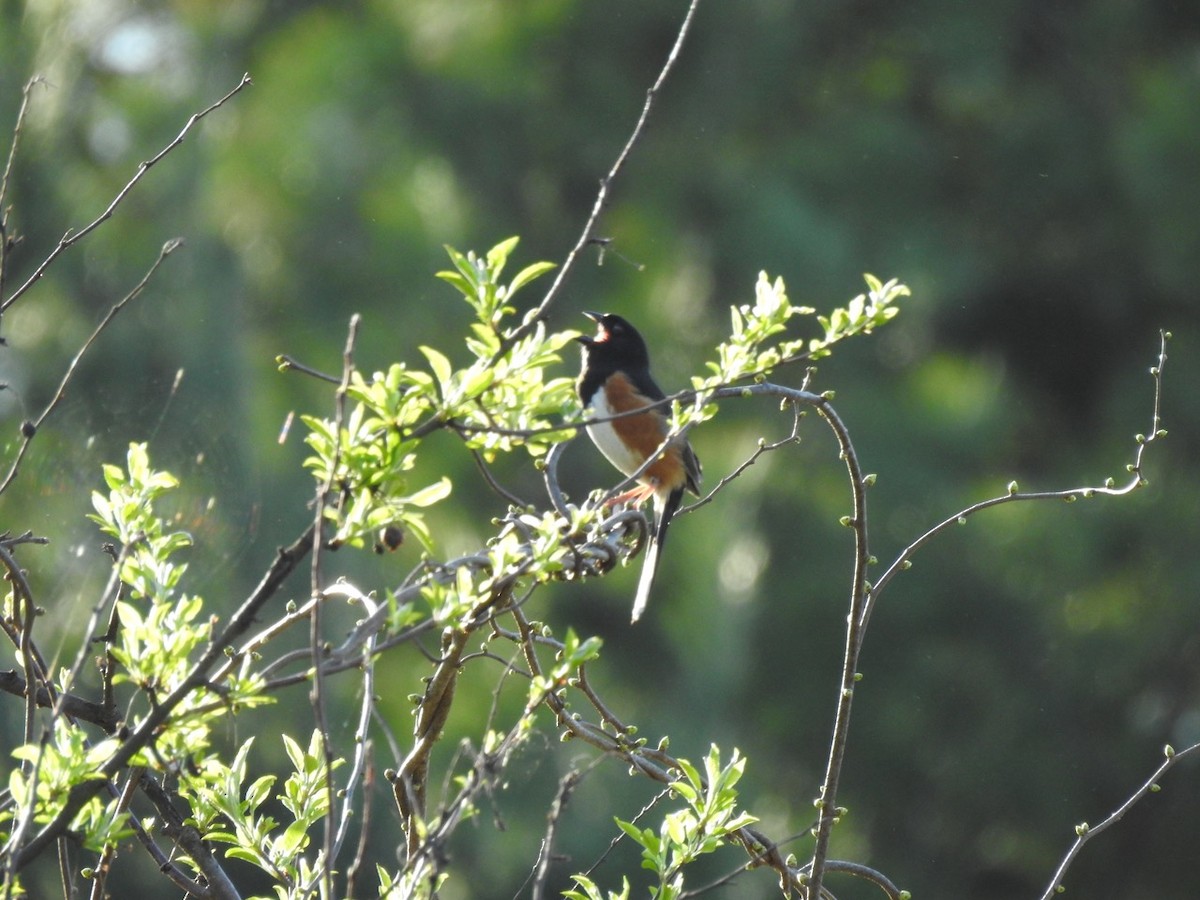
(826, 801)
(219, 886)
(73, 237)
(762, 449)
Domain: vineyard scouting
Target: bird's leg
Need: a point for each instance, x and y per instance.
(636, 495)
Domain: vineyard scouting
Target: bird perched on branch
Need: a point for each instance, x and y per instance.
(614, 379)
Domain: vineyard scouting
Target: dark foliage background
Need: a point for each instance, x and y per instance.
(1030, 169)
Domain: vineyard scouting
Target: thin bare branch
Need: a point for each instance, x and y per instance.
(316, 629)
(7, 241)
(285, 363)
(71, 705)
(566, 787)
(360, 761)
(1085, 832)
(509, 497)
(762, 449)
(73, 237)
(32, 661)
(587, 236)
(364, 828)
(550, 475)
(29, 429)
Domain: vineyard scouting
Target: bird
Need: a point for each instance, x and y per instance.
(615, 378)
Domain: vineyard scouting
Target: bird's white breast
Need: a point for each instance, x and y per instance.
(605, 437)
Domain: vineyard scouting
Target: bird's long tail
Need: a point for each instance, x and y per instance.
(650, 564)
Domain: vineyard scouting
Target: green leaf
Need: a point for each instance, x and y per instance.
(644, 837)
(258, 791)
(677, 825)
(431, 494)
(528, 274)
(240, 853)
(439, 365)
(114, 476)
(498, 255)
(295, 754)
(479, 379)
(461, 284)
(293, 839)
(467, 268)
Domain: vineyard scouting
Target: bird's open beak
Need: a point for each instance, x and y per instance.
(602, 334)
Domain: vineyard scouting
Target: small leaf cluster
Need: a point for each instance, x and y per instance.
(226, 812)
(153, 641)
(755, 347)
(127, 514)
(501, 400)
(575, 654)
(61, 761)
(702, 826)
(529, 548)
(369, 459)
(157, 632)
(161, 629)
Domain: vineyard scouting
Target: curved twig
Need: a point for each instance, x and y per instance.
(1110, 488)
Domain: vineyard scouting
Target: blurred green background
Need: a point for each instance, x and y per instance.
(1030, 169)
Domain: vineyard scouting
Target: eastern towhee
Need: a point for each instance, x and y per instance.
(615, 378)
